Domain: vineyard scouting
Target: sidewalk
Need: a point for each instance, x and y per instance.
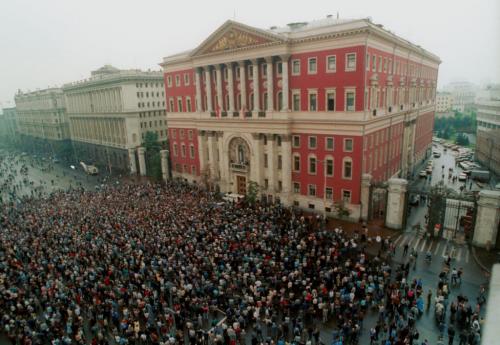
(485, 259)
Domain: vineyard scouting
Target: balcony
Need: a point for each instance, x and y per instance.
(240, 167)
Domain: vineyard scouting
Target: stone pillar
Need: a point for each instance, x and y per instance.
(223, 166)
(256, 165)
(256, 89)
(286, 171)
(270, 84)
(230, 84)
(243, 85)
(395, 203)
(284, 82)
(132, 163)
(211, 156)
(141, 151)
(164, 165)
(198, 91)
(365, 195)
(487, 219)
(218, 76)
(208, 88)
(271, 163)
(202, 149)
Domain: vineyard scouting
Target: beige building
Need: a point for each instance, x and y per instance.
(110, 114)
(42, 123)
(463, 94)
(488, 128)
(9, 122)
(444, 102)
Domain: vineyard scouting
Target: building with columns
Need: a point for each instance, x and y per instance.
(304, 110)
(42, 120)
(111, 112)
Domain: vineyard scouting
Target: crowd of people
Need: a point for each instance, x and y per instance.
(168, 264)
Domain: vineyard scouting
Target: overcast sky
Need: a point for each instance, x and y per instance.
(51, 42)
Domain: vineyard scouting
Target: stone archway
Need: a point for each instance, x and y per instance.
(239, 155)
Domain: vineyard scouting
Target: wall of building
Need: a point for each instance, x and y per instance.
(184, 163)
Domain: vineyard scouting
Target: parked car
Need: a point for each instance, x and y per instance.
(462, 177)
(436, 154)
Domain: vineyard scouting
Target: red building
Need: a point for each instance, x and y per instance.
(305, 111)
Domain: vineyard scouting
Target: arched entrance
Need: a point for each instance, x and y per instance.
(239, 165)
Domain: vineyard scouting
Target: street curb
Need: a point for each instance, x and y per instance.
(476, 259)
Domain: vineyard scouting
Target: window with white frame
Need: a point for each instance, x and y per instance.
(171, 105)
(312, 65)
(190, 134)
(296, 67)
(346, 196)
(385, 65)
(347, 168)
(183, 150)
(296, 141)
(279, 68)
(329, 193)
(329, 143)
(380, 64)
(179, 104)
(296, 187)
(193, 170)
(330, 100)
(331, 63)
(350, 62)
(186, 79)
(177, 80)
(312, 165)
(348, 145)
(313, 101)
(367, 62)
(329, 166)
(264, 70)
(312, 142)
(350, 98)
(174, 134)
(188, 104)
(296, 163)
(374, 63)
(311, 190)
(169, 81)
(175, 150)
(296, 100)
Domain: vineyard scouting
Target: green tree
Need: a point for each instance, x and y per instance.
(252, 192)
(462, 139)
(153, 160)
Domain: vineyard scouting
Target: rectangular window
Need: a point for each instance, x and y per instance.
(296, 101)
(331, 63)
(329, 167)
(346, 196)
(174, 134)
(183, 150)
(312, 189)
(265, 160)
(191, 151)
(280, 162)
(279, 68)
(193, 170)
(329, 193)
(348, 145)
(169, 81)
(296, 141)
(188, 104)
(329, 144)
(266, 183)
(190, 134)
(181, 133)
(295, 67)
(312, 67)
(296, 163)
(312, 142)
(186, 79)
(250, 72)
(349, 101)
(385, 65)
(177, 80)
(312, 165)
(347, 169)
(171, 105)
(351, 62)
(374, 63)
(296, 188)
(330, 100)
(367, 62)
(312, 102)
(380, 63)
(175, 150)
(179, 105)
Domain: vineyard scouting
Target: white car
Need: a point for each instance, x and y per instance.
(423, 173)
(462, 177)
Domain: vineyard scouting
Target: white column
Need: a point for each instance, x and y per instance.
(202, 149)
(218, 74)
(286, 171)
(211, 156)
(256, 90)
(365, 195)
(208, 88)
(284, 82)
(131, 158)
(270, 84)
(243, 84)
(487, 219)
(164, 164)
(198, 91)
(230, 80)
(223, 168)
(395, 203)
(256, 162)
(271, 163)
(141, 151)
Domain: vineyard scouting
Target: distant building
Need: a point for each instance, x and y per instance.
(488, 128)
(444, 102)
(41, 117)
(110, 113)
(9, 122)
(463, 94)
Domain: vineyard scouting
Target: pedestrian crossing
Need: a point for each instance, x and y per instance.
(438, 248)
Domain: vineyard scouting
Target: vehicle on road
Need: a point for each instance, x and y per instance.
(462, 177)
(423, 173)
(436, 154)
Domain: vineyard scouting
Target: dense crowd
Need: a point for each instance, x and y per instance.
(168, 264)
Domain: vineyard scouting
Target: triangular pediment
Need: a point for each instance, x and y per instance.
(232, 36)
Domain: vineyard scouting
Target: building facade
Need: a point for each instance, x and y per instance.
(463, 94)
(42, 120)
(306, 112)
(10, 122)
(111, 112)
(444, 102)
(488, 128)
